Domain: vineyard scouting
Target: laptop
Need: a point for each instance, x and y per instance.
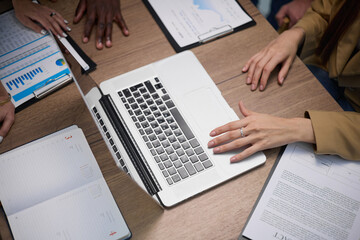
(156, 122)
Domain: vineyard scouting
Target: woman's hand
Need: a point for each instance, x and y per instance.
(29, 14)
(102, 13)
(258, 132)
(7, 118)
(282, 51)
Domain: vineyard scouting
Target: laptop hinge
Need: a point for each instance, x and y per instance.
(132, 151)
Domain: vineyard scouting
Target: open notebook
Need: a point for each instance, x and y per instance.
(53, 189)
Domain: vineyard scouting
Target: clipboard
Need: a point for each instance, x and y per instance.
(213, 32)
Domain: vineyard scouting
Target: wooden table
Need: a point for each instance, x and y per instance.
(219, 213)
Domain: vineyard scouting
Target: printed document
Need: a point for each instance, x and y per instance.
(189, 20)
(308, 196)
(29, 61)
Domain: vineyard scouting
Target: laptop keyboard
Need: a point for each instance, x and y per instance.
(110, 140)
(165, 132)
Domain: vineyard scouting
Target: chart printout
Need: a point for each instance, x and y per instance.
(188, 20)
(28, 60)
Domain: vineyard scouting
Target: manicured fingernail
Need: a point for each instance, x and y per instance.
(58, 36)
(69, 29)
(244, 69)
(248, 80)
(211, 143)
(43, 32)
(213, 133)
(64, 34)
(233, 159)
(1, 139)
(261, 87)
(66, 21)
(253, 87)
(216, 150)
(126, 32)
(85, 39)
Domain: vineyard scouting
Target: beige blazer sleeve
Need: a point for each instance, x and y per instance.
(336, 133)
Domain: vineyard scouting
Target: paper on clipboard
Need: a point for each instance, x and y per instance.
(193, 21)
(29, 61)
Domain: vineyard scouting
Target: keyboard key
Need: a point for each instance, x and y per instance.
(189, 167)
(160, 150)
(164, 126)
(160, 120)
(122, 162)
(176, 145)
(131, 112)
(165, 144)
(149, 86)
(101, 122)
(164, 157)
(156, 143)
(152, 137)
(145, 138)
(194, 159)
(165, 173)
(177, 132)
(140, 100)
(171, 138)
(207, 164)
(157, 131)
(126, 92)
(114, 148)
(161, 166)
(141, 132)
(168, 164)
(137, 112)
(166, 114)
(169, 181)
(134, 118)
(165, 97)
(155, 96)
(148, 131)
(183, 173)
(131, 100)
(134, 106)
(145, 124)
(198, 167)
(149, 102)
(174, 126)
(125, 169)
(157, 114)
(184, 159)
(143, 106)
(203, 157)
(194, 143)
(159, 102)
(170, 120)
(182, 139)
(172, 171)
(120, 94)
(141, 118)
(189, 152)
(118, 155)
(180, 120)
(154, 124)
(185, 145)
(98, 116)
(158, 86)
(127, 106)
(180, 152)
(153, 152)
(163, 90)
(199, 150)
(157, 159)
(142, 90)
(169, 150)
(173, 157)
(162, 137)
(147, 112)
(107, 135)
(176, 178)
(111, 142)
(177, 164)
(146, 96)
(123, 100)
(170, 104)
(157, 79)
(136, 94)
(162, 108)
(136, 87)
(150, 118)
(168, 132)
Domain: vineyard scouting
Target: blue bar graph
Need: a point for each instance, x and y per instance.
(21, 80)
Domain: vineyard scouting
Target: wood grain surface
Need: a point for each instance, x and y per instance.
(219, 213)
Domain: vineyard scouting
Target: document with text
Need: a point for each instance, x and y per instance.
(191, 22)
(308, 196)
(53, 189)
